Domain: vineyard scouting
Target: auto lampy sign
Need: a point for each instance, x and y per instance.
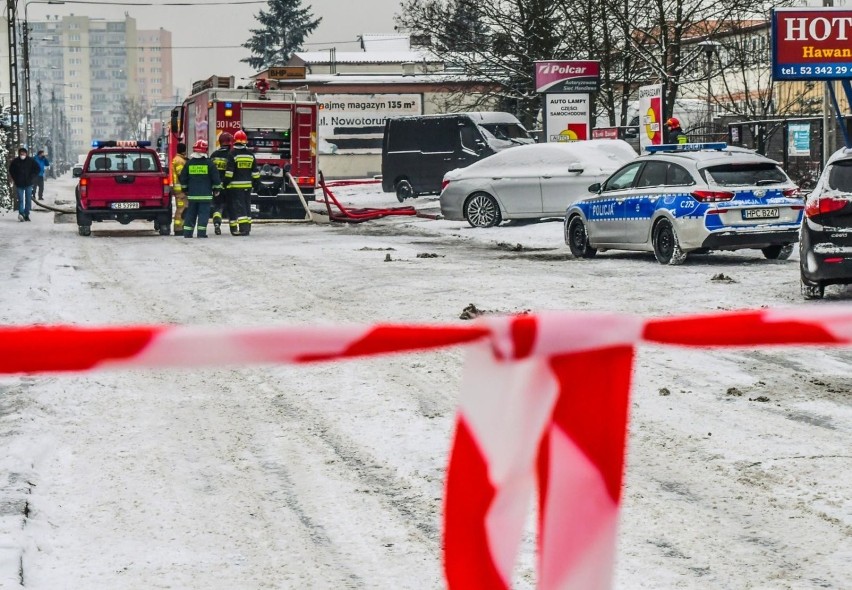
(568, 117)
(812, 44)
(567, 76)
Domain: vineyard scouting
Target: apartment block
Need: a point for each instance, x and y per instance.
(97, 67)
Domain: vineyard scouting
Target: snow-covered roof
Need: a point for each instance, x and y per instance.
(367, 79)
(365, 57)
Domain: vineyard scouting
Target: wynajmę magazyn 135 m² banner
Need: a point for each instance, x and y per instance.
(355, 123)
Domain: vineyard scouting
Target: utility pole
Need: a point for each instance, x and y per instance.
(14, 91)
(53, 134)
(827, 125)
(28, 108)
(39, 121)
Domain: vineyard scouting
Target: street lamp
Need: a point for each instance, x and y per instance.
(27, 95)
(708, 47)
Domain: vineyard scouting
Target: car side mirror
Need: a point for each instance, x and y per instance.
(77, 172)
(595, 188)
(575, 168)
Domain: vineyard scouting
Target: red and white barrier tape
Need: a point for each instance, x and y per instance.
(544, 405)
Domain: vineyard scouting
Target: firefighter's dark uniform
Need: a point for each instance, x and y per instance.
(675, 135)
(199, 179)
(221, 203)
(240, 176)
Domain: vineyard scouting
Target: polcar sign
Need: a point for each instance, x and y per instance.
(567, 76)
(812, 44)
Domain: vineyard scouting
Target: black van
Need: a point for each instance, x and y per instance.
(418, 151)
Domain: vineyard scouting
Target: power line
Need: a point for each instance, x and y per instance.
(176, 46)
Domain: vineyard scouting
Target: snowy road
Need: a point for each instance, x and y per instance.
(331, 476)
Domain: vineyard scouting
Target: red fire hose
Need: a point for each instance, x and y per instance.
(356, 215)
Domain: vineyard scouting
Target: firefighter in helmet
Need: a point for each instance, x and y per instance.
(240, 175)
(200, 181)
(674, 134)
(178, 163)
(221, 202)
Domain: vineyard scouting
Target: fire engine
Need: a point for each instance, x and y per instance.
(281, 127)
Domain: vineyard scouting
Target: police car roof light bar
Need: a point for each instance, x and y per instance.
(686, 147)
(100, 143)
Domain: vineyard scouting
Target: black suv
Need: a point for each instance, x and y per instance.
(825, 246)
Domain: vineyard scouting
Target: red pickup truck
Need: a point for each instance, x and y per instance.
(123, 180)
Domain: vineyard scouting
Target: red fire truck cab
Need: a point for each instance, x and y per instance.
(281, 128)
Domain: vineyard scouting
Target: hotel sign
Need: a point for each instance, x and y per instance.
(812, 44)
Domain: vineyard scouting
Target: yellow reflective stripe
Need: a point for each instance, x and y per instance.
(229, 174)
(240, 185)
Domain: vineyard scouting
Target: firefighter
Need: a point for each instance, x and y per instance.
(241, 175)
(674, 134)
(222, 202)
(178, 162)
(200, 181)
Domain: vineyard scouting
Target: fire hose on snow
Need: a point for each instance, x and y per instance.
(356, 215)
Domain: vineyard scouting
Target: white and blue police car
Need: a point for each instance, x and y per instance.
(692, 197)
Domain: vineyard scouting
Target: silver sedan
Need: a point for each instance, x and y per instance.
(529, 182)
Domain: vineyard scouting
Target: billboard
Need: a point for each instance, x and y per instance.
(567, 76)
(355, 123)
(811, 44)
(651, 130)
(568, 117)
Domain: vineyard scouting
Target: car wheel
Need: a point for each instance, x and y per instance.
(812, 290)
(404, 190)
(666, 247)
(779, 252)
(482, 210)
(578, 239)
(84, 230)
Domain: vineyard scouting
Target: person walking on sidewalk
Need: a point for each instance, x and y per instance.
(43, 163)
(23, 171)
(200, 181)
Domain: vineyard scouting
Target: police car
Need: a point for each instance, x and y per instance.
(689, 198)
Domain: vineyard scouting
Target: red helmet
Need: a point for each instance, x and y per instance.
(226, 138)
(200, 146)
(672, 122)
(240, 137)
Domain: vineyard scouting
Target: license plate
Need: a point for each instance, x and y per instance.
(125, 205)
(771, 213)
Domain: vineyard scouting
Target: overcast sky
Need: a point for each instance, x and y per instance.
(227, 26)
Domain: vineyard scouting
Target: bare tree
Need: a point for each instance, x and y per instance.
(135, 112)
(511, 36)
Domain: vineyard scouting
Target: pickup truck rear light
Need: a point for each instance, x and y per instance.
(84, 187)
(712, 196)
(166, 186)
(823, 205)
(444, 184)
